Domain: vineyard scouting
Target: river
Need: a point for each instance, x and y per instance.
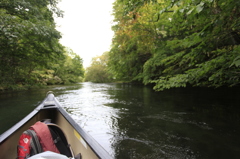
(134, 122)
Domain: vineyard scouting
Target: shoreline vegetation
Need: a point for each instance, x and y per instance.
(163, 43)
(31, 54)
(173, 44)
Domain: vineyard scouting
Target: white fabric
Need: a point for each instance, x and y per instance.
(48, 155)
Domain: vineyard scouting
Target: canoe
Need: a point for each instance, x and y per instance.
(50, 108)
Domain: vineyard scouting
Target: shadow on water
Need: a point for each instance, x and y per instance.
(178, 123)
(133, 121)
(14, 105)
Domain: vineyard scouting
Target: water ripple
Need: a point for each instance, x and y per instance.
(180, 118)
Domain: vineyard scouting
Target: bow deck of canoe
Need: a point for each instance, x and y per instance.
(80, 141)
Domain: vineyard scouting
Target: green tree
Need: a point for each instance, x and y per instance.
(203, 44)
(28, 38)
(133, 41)
(190, 42)
(98, 71)
(70, 69)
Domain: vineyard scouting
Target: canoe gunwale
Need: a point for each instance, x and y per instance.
(95, 146)
(14, 128)
(50, 102)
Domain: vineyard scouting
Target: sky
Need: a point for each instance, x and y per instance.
(86, 27)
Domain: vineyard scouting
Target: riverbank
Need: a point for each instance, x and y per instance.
(18, 87)
(51, 82)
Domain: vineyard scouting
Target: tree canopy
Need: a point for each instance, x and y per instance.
(29, 40)
(98, 71)
(175, 43)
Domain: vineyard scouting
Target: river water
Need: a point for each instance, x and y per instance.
(134, 122)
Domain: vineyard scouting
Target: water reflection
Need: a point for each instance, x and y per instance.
(88, 108)
(18, 104)
(132, 121)
(178, 122)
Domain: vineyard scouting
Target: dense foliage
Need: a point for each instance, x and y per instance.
(98, 71)
(30, 43)
(68, 69)
(175, 43)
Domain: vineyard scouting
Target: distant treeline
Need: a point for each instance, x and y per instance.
(30, 52)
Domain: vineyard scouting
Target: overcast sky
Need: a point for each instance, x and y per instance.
(86, 27)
